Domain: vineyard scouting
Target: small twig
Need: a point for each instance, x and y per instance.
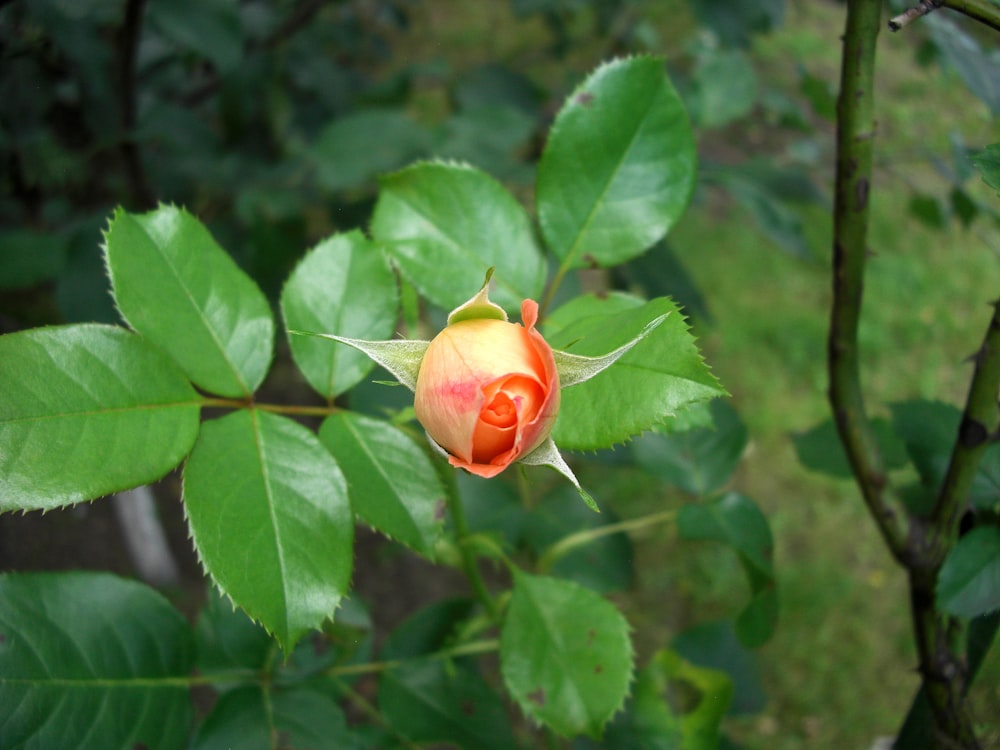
(983, 11)
(910, 15)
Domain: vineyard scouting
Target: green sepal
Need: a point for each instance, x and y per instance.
(401, 357)
(576, 368)
(547, 454)
(479, 306)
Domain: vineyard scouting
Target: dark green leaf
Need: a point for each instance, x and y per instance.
(343, 286)
(724, 88)
(714, 644)
(269, 516)
(492, 507)
(699, 461)
(228, 639)
(355, 149)
(737, 521)
(176, 286)
(87, 410)
(662, 374)
(445, 225)
(209, 27)
(249, 718)
(28, 257)
(565, 654)
(91, 660)
(736, 21)
(987, 161)
(392, 481)
(820, 448)
(979, 70)
(928, 210)
(969, 582)
(618, 167)
(660, 273)
(436, 702)
(603, 564)
(428, 630)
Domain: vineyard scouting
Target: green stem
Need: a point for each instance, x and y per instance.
(470, 563)
(855, 134)
(581, 538)
(290, 409)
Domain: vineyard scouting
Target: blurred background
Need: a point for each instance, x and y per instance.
(271, 120)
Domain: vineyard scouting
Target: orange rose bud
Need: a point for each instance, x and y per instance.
(487, 391)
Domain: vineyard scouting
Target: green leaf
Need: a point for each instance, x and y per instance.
(211, 28)
(820, 449)
(987, 161)
(618, 167)
(737, 521)
(969, 582)
(268, 512)
(699, 461)
(661, 374)
(87, 410)
(714, 644)
(432, 701)
(445, 225)
(227, 639)
(177, 287)
(735, 21)
(724, 87)
(355, 149)
(394, 486)
(91, 660)
(249, 718)
(343, 286)
(978, 69)
(565, 654)
(28, 257)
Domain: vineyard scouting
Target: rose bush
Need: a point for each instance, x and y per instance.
(487, 391)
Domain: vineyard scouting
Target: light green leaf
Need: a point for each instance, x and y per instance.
(619, 165)
(446, 224)
(724, 87)
(436, 702)
(268, 511)
(299, 717)
(736, 520)
(969, 583)
(393, 484)
(661, 374)
(565, 654)
(89, 660)
(87, 410)
(343, 286)
(211, 28)
(177, 287)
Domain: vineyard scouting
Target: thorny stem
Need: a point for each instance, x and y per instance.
(981, 10)
(855, 134)
(919, 544)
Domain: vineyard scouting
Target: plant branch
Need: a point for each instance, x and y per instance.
(581, 538)
(980, 10)
(855, 134)
(470, 563)
(128, 43)
(980, 421)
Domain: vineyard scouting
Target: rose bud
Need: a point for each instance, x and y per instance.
(487, 390)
